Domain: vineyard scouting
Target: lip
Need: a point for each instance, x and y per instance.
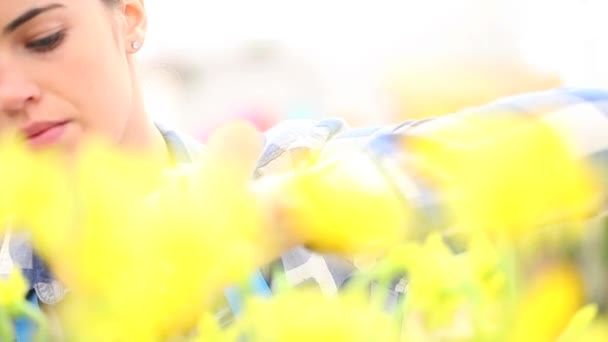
(44, 133)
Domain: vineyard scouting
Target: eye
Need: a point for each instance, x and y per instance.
(46, 44)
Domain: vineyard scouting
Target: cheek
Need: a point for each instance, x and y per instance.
(94, 79)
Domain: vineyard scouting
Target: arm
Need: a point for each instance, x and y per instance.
(547, 129)
(522, 161)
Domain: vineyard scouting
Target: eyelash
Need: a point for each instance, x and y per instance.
(46, 44)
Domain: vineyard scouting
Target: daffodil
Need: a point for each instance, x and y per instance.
(436, 283)
(163, 255)
(596, 332)
(344, 204)
(146, 252)
(504, 174)
(580, 324)
(12, 290)
(308, 315)
(548, 304)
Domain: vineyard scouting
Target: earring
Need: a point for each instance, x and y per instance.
(136, 45)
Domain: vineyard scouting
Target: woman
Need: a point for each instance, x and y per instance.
(67, 72)
(56, 87)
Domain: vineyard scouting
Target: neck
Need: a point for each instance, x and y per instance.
(141, 137)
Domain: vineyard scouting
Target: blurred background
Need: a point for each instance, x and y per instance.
(368, 61)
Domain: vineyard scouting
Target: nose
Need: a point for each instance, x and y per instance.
(16, 91)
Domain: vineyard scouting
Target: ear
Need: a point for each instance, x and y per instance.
(136, 24)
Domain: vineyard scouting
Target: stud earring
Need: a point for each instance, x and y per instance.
(136, 45)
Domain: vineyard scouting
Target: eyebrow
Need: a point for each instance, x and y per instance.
(27, 16)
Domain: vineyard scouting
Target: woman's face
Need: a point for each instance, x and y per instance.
(66, 70)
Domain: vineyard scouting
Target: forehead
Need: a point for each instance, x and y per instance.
(75, 12)
(11, 9)
(14, 6)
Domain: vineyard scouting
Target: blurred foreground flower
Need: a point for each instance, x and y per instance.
(13, 306)
(143, 252)
(308, 315)
(344, 204)
(146, 253)
(12, 291)
(172, 250)
(504, 174)
(550, 302)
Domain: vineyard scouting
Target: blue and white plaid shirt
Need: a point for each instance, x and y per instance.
(581, 114)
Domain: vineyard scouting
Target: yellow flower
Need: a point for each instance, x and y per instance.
(436, 279)
(580, 324)
(34, 185)
(596, 332)
(484, 263)
(344, 205)
(95, 319)
(160, 257)
(210, 330)
(307, 315)
(548, 304)
(96, 249)
(505, 174)
(12, 290)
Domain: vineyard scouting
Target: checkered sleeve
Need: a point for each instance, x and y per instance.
(579, 115)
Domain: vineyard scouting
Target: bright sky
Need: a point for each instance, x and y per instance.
(555, 34)
(352, 42)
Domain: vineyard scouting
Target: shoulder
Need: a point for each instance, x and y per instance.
(291, 142)
(184, 148)
(585, 101)
(285, 144)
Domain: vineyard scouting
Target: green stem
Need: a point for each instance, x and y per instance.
(279, 280)
(35, 315)
(7, 331)
(401, 313)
